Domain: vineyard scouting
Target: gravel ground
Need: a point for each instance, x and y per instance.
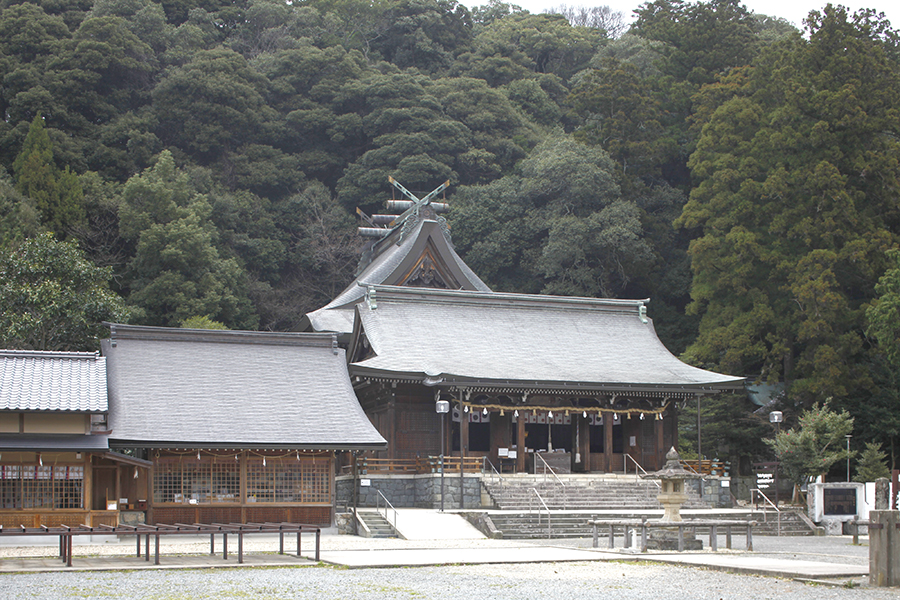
(520, 582)
(625, 581)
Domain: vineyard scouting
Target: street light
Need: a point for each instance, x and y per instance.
(848, 436)
(776, 417)
(442, 407)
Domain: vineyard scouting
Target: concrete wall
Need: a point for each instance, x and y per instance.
(409, 491)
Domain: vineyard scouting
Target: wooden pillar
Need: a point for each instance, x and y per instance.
(392, 429)
(607, 442)
(463, 447)
(584, 427)
(87, 489)
(672, 422)
(660, 444)
(463, 432)
(520, 443)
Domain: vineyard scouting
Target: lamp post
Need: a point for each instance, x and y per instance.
(848, 436)
(776, 417)
(442, 407)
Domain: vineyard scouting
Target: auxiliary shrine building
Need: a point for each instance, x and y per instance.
(176, 425)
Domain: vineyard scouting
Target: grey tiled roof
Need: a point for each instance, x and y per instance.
(533, 340)
(231, 389)
(59, 443)
(59, 381)
(390, 263)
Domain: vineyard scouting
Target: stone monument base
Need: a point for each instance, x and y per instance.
(667, 539)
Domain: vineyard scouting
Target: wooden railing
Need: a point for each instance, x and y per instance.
(705, 467)
(415, 466)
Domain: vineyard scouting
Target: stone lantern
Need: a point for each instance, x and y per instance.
(671, 493)
(672, 496)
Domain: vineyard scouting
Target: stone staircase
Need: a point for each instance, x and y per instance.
(792, 523)
(375, 525)
(577, 492)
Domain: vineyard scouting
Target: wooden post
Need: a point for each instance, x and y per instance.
(584, 434)
(392, 429)
(520, 444)
(660, 444)
(463, 447)
(884, 548)
(607, 442)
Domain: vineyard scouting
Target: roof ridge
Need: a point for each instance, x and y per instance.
(121, 331)
(12, 353)
(376, 293)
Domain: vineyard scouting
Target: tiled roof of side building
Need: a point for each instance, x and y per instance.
(53, 381)
(545, 340)
(389, 264)
(232, 389)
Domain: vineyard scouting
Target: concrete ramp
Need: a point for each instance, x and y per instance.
(426, 524)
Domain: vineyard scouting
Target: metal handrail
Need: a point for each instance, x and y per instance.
(547, 508)
(755, 491)
(487, 461)
(555, 476)
(387, 503)
(637, 466)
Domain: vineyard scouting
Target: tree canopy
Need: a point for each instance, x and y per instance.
(209, 156)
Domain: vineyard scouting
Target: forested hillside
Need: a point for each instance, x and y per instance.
(206, 158)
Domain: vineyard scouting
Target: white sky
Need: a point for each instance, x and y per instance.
(792, 10)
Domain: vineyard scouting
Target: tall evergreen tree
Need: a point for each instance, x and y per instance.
(795, 204)
(56, 194)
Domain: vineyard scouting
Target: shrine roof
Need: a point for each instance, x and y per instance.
(496, 339)
(232, 389)
(392, 259)
(54, 381)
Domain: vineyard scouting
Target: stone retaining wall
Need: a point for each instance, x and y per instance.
(410, 491)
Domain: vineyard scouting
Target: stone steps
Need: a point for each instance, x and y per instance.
(377, 526)
(578, 494)
(792, 524)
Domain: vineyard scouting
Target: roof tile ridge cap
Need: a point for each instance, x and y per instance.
(393, 292)
(223, 336)
(71, 354)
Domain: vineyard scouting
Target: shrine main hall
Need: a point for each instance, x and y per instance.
(576, 383)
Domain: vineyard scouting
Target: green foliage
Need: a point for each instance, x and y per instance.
(730, 431)
(871, 464)
(56, 194)
(702, 38)
(203, 322)
(177, 271)
(18, 217)
(794, 209)
(818, 443)
(883, 315)
(52, 298)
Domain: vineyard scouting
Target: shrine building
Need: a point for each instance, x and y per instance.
(581, 384)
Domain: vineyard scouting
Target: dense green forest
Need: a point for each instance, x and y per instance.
(188, 160)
